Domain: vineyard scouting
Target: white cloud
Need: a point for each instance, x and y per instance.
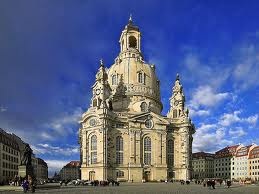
(229, 118)
(200, 72)
(55, 150)
(205, 96)
(59, 124)
(3, 109)
(252, 119)
(209, 138)
(246, 70)
(239, 132)
(194, 112)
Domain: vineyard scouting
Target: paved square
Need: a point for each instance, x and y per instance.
(150, 188)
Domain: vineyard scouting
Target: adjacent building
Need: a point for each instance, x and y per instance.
(203, 165)
(253, 163)
(240, 163)
(9, 157)
(224, 162)
(42, 169)
(70, 171)
(10, 152)
(123, 134)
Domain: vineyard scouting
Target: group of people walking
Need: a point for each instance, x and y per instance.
(211, 183)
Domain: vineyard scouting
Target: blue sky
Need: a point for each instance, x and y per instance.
(50, 51)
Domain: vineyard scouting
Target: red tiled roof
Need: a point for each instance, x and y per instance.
(243, 151)
(202, 155)
(73, 164)
(254, 153)
(227, 151)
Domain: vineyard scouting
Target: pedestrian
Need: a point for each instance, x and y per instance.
(213, 184)
(25, 185)
(228, 183)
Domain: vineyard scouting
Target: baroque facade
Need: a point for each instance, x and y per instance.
(123, 135)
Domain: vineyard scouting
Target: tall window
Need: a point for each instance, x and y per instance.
(132, 42)
(119, 150)
(143, 107)
(141, 77)
(174, 113)
(147, 151)
(170, 152)
(114, 79)
(93, 149)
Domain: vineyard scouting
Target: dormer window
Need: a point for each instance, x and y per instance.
(142, 78)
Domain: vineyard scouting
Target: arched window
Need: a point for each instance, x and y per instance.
(143, 107)
(114, 79)
(93, 149)
(174, 113)
(147, 150)
(119, 150)
(142, 78)
(132, 42)
(170, 152)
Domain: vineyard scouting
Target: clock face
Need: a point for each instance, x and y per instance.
(176, 102)
(97, 91)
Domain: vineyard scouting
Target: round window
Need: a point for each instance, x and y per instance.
(149, 123)
(92, 122)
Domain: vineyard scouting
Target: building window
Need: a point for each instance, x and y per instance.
(132, 42)
(148, 123)
(170, 152)
(174, 113)
(114, 79)
(143, 107)
(142, 78)
(147, 151)
(93, 149)
(120, 174)
(119, 150)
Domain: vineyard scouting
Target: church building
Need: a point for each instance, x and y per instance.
(123, 135)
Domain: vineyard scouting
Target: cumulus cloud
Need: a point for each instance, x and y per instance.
(206, 96)
(209, 138)
(55, 150)
(229, 118)
(194, 112)
(236, 133)
(246, 70)
(62, 124)
(198, 71)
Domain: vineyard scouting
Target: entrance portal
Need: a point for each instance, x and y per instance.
(147, 176)
(91, 175)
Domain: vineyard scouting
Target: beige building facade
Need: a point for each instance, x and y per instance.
(9, 157)
(203, 165)
(253, 163)
(123, 135)
(70, 171)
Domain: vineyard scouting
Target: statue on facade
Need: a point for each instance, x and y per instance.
(26, 156)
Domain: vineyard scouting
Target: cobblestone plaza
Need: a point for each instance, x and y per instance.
(151, 188)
